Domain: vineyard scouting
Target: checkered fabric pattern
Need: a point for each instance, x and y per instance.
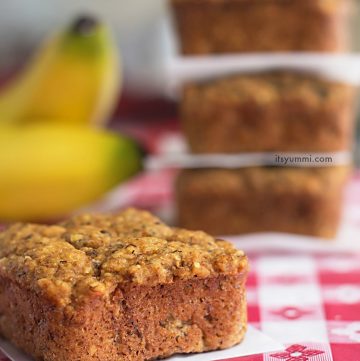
(309, 301)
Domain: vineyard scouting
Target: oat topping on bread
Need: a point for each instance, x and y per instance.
(91, 254)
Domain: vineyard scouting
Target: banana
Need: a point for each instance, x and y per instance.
(49, 170)
(74, 78)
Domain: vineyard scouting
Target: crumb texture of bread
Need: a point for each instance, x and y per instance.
(270, 111)
(235, 26)
(305, 201)
(119, 287)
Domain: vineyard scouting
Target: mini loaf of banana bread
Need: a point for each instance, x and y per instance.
(272, 111)
(233, 26)
(293, 200)
(122, 287)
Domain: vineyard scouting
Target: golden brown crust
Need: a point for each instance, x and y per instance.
(233, 26)
(295, 200)
(124, 287)
(274, 111)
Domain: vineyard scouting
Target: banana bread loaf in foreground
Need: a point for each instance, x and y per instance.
(306, 201)
(233, 26)
(119, 287)
(270, 111)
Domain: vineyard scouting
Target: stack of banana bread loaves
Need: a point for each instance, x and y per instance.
(270, 111)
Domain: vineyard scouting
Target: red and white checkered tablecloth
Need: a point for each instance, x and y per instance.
(307, 300)
(311, 303)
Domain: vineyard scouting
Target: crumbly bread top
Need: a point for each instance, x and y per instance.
(268, 87)
(89, 255)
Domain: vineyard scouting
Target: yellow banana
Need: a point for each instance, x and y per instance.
(47, 171)
(74, 77)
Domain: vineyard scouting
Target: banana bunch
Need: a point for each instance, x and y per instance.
(54, 158)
